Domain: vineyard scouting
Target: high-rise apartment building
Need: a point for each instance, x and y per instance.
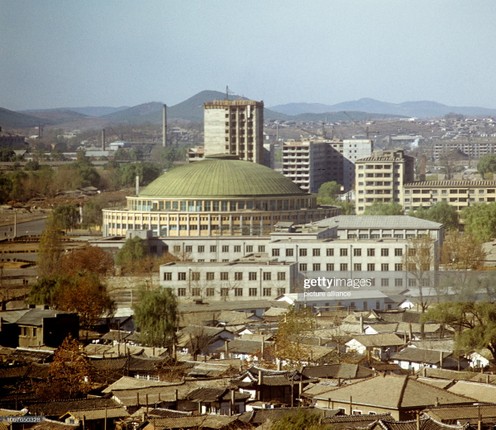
(306, 163)
(234, 127)
(310, 163)
(380, 178)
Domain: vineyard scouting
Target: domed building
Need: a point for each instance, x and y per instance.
(218, 196)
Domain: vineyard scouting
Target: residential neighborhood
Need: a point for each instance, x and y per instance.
(286, 251)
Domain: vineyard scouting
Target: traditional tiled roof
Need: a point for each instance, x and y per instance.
(476, 390)
(35, 317)
(117, 335)
(60, 407)
(259, 417)
(97, 414)
(396, 392)
(129, 383)
(240, 346)
(346, 422)
(379, 340)
(459, 375)
(417, 355)
(170, 393)
(341, 371)
(214, 395)
(424, 423)
(213, 422)
(468, 413)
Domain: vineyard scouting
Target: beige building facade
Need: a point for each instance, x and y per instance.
(459, 194)
(380, 178)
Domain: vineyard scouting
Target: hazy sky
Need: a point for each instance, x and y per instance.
(61, 53)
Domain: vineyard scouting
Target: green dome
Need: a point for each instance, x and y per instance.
(221, 177)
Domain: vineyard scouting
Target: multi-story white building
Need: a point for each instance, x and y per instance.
(344, 248)
(380, 178)
(235, 280)
(234, 127)
(353, 150)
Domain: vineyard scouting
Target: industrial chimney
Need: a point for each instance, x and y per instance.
(164, 126)
(103, 139)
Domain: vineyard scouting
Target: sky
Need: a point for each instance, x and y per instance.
(75, 53)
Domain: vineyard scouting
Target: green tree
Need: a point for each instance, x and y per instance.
(32, 165)
(487, 164)
(480, 221)
(5, 188)
(43, 292)
(440, 212)
(156, 317)
(7, 154)
(131, 255)
(419, 263)
(378, 208)
(328, 193)
(67, 216)
(85, 172)
(474, 322)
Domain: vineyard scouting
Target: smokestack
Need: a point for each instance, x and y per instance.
(137, 185)
(164, 126)
(103, 139)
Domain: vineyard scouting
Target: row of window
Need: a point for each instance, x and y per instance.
(344, 267)
(343, 252)
(226, 292)
(450, 191)
(224, 276)
(224, 248)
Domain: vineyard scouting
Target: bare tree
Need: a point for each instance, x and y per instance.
(420, 264)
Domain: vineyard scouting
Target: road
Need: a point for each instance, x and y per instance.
(26, 228)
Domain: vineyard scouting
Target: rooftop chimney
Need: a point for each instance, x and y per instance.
(164, 126)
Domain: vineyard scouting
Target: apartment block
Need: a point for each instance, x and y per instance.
(459, 194)
(307, 163)
(310, 163)
(474, 149)
(380, 178)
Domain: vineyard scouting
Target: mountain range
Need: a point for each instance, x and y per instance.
(192, 110)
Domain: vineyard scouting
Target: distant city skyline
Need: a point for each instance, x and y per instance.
(63, 53)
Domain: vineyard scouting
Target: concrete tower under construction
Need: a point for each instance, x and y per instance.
(234, 127)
